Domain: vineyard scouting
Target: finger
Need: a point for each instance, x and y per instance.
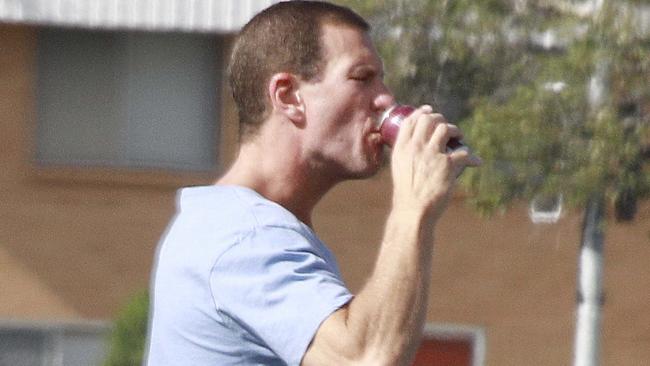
(407, 127)
(425, 108)
(424, 127)
(464, 157)
(441, 135)
(455, 132)
(441, 138)
(428, 129)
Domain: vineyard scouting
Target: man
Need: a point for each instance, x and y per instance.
(241, 278)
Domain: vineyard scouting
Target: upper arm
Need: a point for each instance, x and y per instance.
(347, 338)
(275, 287)
(335, 343)
(331, 343)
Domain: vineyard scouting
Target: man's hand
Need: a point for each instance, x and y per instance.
(382, 324)
(424, 173)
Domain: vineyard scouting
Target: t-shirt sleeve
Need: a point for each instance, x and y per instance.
(276, 285)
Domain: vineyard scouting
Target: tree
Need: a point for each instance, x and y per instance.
(127, 340)
(515, 74)
(554, 96)
(579, 146)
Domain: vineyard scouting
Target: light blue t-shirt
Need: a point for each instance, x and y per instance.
(239, 280)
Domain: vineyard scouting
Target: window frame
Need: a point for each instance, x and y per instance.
(54, 334)
(225, 138)
(473, 335)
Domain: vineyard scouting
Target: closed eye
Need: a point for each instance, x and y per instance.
(366, 74)
(366, 77)
(361, 78)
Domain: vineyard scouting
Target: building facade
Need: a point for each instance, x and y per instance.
(108, 107)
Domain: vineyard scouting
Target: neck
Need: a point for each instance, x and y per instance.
(276, 171)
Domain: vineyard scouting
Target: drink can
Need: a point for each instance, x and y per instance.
(392, 118)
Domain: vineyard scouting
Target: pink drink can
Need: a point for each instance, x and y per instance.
(392, 118)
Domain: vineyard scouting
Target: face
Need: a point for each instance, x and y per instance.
(343, 104)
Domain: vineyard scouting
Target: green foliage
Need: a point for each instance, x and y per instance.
(440, 51)
(478, 62)
(127, 339)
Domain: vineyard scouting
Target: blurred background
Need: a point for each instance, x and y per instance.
(107, 107)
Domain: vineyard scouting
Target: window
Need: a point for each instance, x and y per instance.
(127, 99)
(22, 347)
(52, 345)
(451, 345)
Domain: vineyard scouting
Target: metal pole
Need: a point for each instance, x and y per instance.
(590, 279)
(590, 263)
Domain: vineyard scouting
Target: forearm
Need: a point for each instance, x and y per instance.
(382, 325)
(388, 314)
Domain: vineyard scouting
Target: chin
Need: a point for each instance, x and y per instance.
(358, 175)
(359, 165)
(370, 169)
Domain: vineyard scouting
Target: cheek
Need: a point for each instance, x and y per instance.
(337, 124)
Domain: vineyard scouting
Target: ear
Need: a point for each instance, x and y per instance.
(285, 97)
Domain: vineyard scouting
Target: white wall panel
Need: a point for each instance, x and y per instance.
(209, 16)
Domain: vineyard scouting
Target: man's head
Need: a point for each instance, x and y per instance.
(285, 37)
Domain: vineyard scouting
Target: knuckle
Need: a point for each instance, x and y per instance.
(439, 118)
(444, 128)
(425, 118)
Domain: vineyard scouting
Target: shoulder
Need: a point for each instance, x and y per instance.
(234, 219)
(240, 205)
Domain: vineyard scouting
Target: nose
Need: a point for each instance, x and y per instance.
(384, 99)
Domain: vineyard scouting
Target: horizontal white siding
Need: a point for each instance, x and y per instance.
(210, 16)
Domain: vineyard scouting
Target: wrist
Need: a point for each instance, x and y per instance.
(414, 208)
(409, 228)
(412, 215)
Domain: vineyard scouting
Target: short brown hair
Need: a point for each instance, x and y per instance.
(284, 37)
